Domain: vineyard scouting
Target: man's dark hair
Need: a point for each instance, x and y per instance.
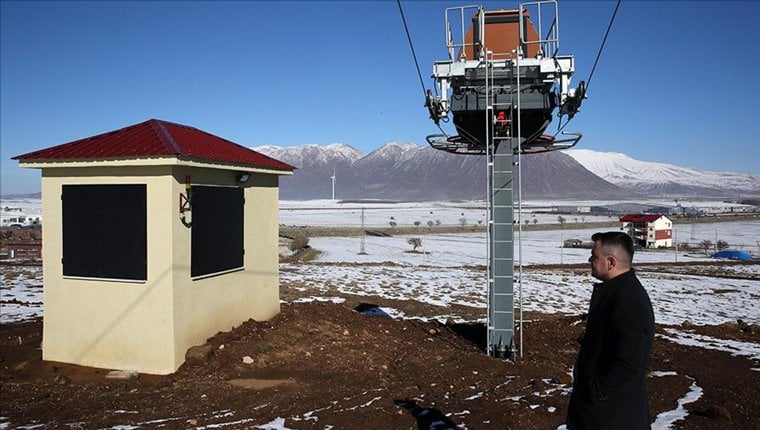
(616, 239)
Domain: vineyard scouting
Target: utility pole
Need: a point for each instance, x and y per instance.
(716, 241)
(361, 243)
(675, 243)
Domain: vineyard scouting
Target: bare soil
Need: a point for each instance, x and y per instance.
(325, 365)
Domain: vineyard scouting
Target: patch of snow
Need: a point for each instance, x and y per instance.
(276, 424)
(233, 424)
(665, 420)
(20, 293)
(364, 405)
(659, 373)
(320, 299)
(733, 347)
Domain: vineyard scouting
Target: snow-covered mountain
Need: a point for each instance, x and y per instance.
(315, 164)
(407, 171)
(310, 154)
(664, 179)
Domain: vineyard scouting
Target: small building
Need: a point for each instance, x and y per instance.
(648, 230)
(573, 243)
(572, 209)
(157, 236)
(24, 250)
(17, 218)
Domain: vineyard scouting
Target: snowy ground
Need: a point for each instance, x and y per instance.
(20, 293)
(450, 270)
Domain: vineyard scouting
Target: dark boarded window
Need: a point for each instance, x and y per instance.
(105, 231)
(217, 230)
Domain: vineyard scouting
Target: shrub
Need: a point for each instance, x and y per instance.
(706, 245)
(300, 241)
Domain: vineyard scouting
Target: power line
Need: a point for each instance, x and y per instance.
(411, 46)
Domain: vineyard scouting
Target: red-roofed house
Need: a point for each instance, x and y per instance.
(157, 236)
(648, 231)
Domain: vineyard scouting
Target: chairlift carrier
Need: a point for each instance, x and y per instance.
(501, 84)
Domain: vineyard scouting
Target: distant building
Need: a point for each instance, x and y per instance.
(16, 217)
(157, 236)
(574, 243)
(648, 230)
(654, 210)
(24, 250)
(572, 209)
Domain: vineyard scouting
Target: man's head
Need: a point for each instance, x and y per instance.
(611, 256)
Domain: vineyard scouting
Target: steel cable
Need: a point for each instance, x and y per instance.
(414, 55)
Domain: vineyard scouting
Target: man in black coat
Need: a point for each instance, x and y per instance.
(609, 388)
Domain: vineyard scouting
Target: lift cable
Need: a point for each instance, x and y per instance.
(596, 61)
(411, 46)
(599, 53)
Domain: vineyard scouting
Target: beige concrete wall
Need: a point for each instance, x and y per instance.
(207, 305)
(110, 324)
(148, 326)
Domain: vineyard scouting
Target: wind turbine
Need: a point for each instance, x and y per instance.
(333, 184)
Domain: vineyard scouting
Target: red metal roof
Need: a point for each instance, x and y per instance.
(638, 218)
(156, 138)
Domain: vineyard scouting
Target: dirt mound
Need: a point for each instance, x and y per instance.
(318, 365)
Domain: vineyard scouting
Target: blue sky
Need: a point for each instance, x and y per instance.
(675, 84)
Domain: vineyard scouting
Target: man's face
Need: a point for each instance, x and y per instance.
(600, 268)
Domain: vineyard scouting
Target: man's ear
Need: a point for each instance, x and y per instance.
(611, 262)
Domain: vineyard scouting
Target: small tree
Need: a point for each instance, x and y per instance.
(393, 224)
(722, 244)
(527, 221)
(706, 245)
(535, 221)
(430, 224)
(417, 224)
(437, 222)
(463, 222)
(561, 220)
(300, 241)
(416, 242)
